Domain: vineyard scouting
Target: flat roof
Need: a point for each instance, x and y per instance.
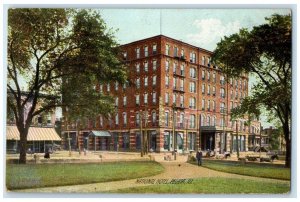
(163, 36)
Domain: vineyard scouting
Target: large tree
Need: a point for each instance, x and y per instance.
(60, 53)
(264, 52)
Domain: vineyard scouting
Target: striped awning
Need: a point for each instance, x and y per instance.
(100, 133)
(34, 134)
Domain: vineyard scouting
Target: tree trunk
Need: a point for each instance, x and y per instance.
(23, 144)
(287, 138)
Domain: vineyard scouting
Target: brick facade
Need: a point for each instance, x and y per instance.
(162, 69)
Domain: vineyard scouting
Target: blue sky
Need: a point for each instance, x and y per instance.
(199, 27)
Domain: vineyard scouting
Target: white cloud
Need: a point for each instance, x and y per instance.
(210, 31)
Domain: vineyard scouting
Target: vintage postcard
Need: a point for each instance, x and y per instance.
(163, 101)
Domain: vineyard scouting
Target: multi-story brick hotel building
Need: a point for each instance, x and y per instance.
(172, 86)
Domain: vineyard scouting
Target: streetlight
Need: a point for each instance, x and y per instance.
(210, 142)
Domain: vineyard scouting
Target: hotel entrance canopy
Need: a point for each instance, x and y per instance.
(100, 133)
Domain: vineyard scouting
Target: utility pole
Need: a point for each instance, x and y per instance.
(260, 136)
(237, 140)
(142, 135)
(78, 138)
(173, 131)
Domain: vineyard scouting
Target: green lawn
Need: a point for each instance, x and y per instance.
(259, 170)
(213, 186)
(45, 175)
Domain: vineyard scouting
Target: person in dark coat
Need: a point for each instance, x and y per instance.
(199, 158)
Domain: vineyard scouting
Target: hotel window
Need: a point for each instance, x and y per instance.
(108, 87)
(208, 76)
(145, 98)
(174, 83)
(192, 72)
(154, 65)
(214, 105)
(174, 98)
(214, 77)
(192, 87)
(203, 88)
(146, 66)
(124, 118)
(154, 80)
(146, 51)
(231, 105)
(167, 66)
(137, 118)
(154, 117)
(231, 81)
(222, 107)
(138, 82)
(193, 57)
(167, 98)
(117, 119)
(192, 121)
(208, 121)
(154, 48)
(203, 74)
(222, 92)
(182, 53)
(181, 100)
(202, 120)
(214, 91)
(214, 121)
(137, 99)
(124, 101)
(203, 104)
(231, 94)
(154, 97)
(203, 60)
(208, 89)
(208, 61)
(181, 119)
(182, 69)
(167, 118)
(137, 68)
(116, 85)
(181, 84)
(146, 81)
(101, 88)
(193, 103)
(208, 105)
(174, 67)
(124, 55)
(175, 51)
(236, 94)
(221, 122)
(167, 81)
(124, 85)
(222, 80)
(167, 49)
(236, 84)
(137, 52)
(101, 121)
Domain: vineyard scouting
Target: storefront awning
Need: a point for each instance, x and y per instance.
(100, 133)
(34, 134)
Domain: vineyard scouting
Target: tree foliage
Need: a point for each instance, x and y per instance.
(265, 52)
(61, 53)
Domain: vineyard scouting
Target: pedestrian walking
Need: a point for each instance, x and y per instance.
(199, 157)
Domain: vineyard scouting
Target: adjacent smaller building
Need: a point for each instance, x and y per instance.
(37, 140)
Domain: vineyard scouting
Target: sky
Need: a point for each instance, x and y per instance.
(200, 27)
